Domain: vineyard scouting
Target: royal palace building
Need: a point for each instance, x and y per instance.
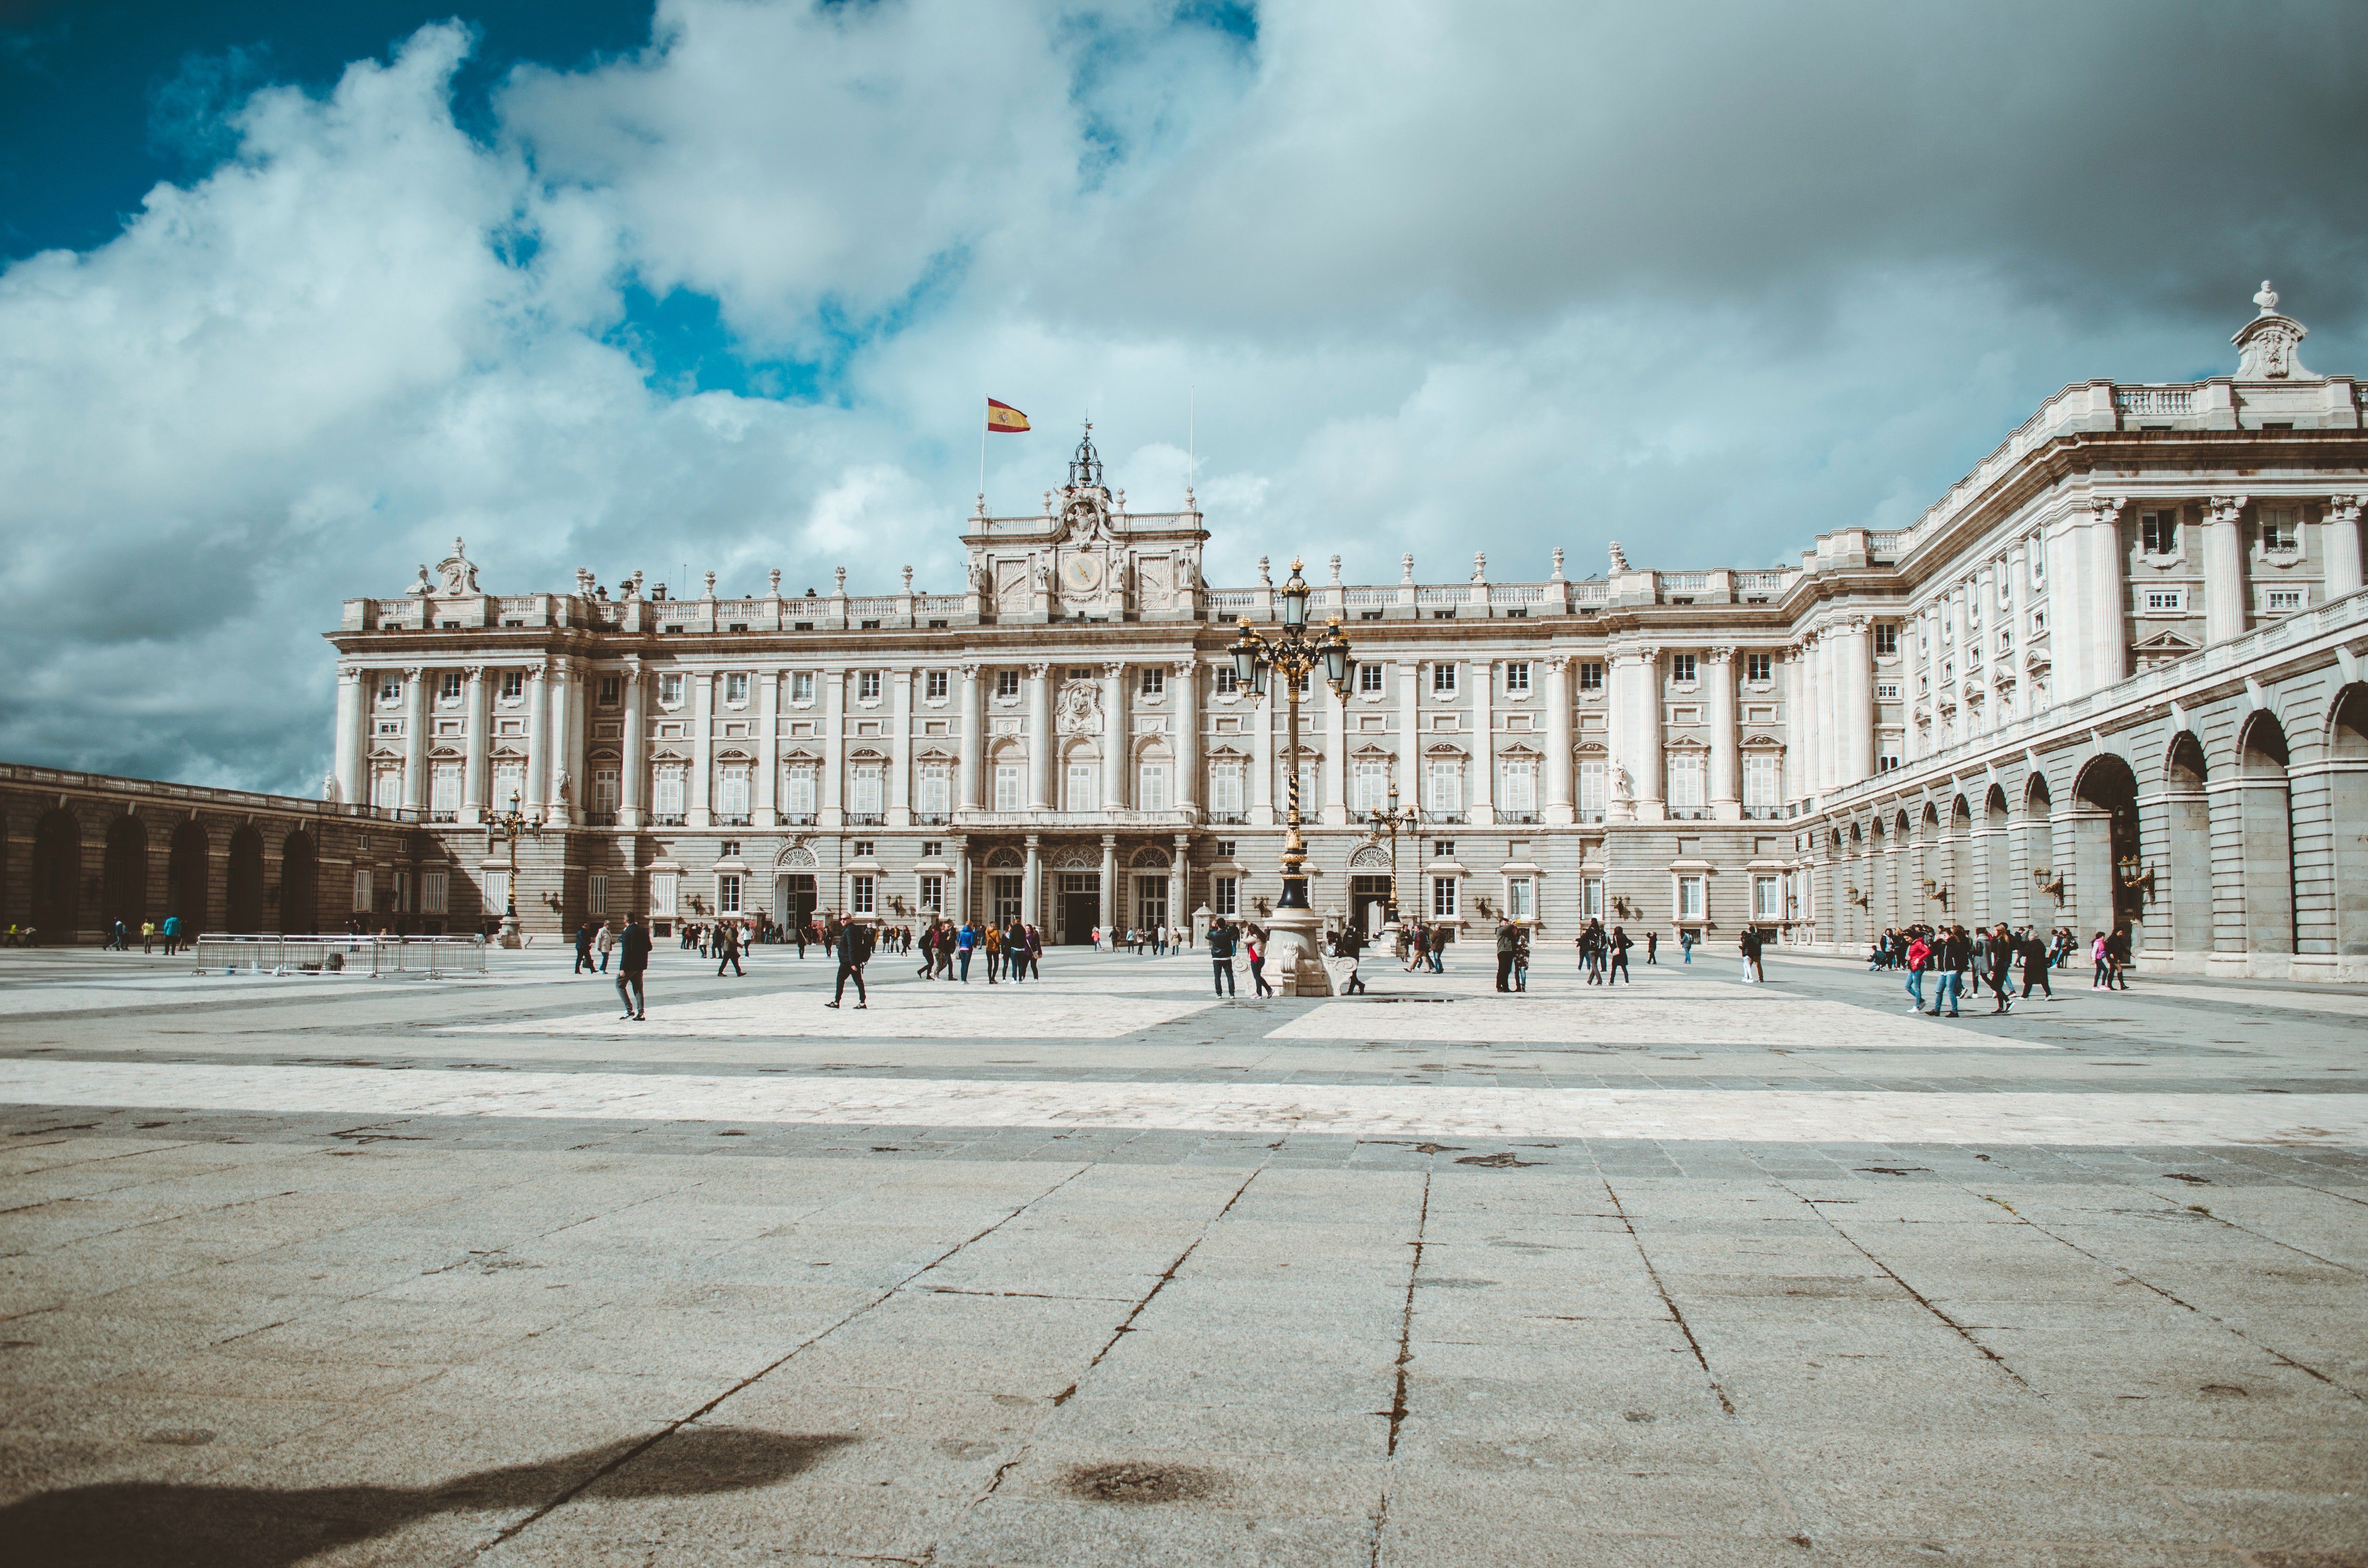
(2112, 676)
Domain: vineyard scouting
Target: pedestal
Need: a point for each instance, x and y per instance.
(510, 937)
(1292, 957)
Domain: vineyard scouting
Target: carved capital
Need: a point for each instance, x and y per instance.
(1114, 669)
(476, 673)
(1719, 655)
(538, 672)
(971, 668)
(1187, 668)
(2227, 508)
(2107, 507)
(1038, 672)
(411, 673)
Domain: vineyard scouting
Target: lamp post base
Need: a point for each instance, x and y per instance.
(1293, 956)
(510, 937)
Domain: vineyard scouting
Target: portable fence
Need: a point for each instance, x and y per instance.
(431, 958)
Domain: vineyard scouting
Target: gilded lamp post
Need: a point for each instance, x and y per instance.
(510, 824)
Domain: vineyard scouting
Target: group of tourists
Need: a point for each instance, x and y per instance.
(1424, 946)
(1991, 955)
(1012, 951)
(1164, 941)
(1227, 940)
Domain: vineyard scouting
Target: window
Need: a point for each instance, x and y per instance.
(1226, 683)
(1590, 676)
(509, 781)
(2006, 640)
(1686, 783)
(731, 850)
(1007, 683)
(1760, 668)
(798, 797)
(1369, 679)
(1767, 903)
(448, 688)
(933, 895)
(1590, 790)
(864, 796)
(732, 795)
(1689, 898)
(1446, 792)
(513, 685)
(1004, 890)
(1225, 896)
(1442, 615)
(933, 795)
(610, 691)
(669, 691)
(363, 890)
(932, 848)
(2038, 621)
(1521, 786)
(2278, 533)
(1887, 643)
(1759, 781)
(596, 899)
(1226, 789)
(1154, 681)
(1151, 787)
(1008, 787)
(2284, 600)
(1517, 678)
(666, 799)
(1224, 849)
(2161, 601)
(1442, 849)
(859, 896)
(390, 688)
(2158, 532)
(2038, 557)
(497, 895)
(665, 887)
(1443, 680)
(863, 848)
(1886, 691)
(386, 788)
(1083, 792)
(802, 685)
(1371, 786)
(866, 685)
(1519, 897)
(727, 894)
(933, 686)
(444, 788)
(604, 790)
(1442, 898)
(1681, 668)
(1887, 762)
(1590, 898)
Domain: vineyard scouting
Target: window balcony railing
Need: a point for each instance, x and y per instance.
(1688, 813)
(1517, 817)
(1763, 813)
(600, 819)
(739, 820)
(866, 819)
(1444, 818)
(666, 819)
(1228, 819)
(932, 819)
(443, 816)
(799, 819)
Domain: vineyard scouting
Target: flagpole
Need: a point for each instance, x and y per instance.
(981, 467)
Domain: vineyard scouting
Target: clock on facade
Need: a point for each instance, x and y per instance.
(1082, 573)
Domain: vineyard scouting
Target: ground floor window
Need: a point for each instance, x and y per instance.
(1151, 900)
(600, 893)
(1590, 897)
(663, 886)
(1004, 893)
(435, 893)
(1766, 900)
(1225, 895)
(1689, 898)
(1520, 898)
(727, 894)
(933, 895)
(364, 889)
(497, 892)
(1442, 898)
(860, 895)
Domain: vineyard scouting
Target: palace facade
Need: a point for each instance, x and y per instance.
(2112, 675)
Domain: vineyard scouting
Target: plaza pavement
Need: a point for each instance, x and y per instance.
(1105, 1271)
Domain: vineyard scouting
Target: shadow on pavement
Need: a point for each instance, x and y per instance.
(124, 1523)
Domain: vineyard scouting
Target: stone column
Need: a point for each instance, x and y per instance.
(1186, 701)
(354, 699)
(973, 742)
(1854, 655)
(1410, 781)
(900, 748)
(2226, 613)
(1336, 750)
(1263, 714)
(2339, 535)
(1618, 719)
(537, 735)
(1114, 737)
(1040, 739)
(1559, 807)
(831, 810)
(2106, 607)
(1178, 883)
(1110, 900)
(2067, 607)
(1483, 676)
(698, 809)
(564, 721)
(1725, 768)
(1031, 885)
(632, 787)
(1644, 677)
(415, 738)
(476, 746)
(960, 910)
(765, 802)
(1798, 721)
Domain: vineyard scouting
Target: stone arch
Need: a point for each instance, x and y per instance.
(57, 876)
(2039, 851)
(123, 877)
(2347, 754)
(300, 883)
(796, 857)
(2265, 819)
(2184, 879)
(1369, 858)
(1956, 872)
(1150, 858)
(243, 886)
(2105, 844)
(1994, 861)
(1906, 894)
(186, 878)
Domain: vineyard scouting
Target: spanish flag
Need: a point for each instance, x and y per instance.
(1004, 418)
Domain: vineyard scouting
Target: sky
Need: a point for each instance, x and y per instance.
(291, 295)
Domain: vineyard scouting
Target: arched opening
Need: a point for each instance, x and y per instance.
(185, 879)
(300, 883)
(2106, 846)
(244, 885)
(123, 877)
(1998, 902)
(1956, 875)
(2184, 880)
(57, 877)
(2346, 749)
(1906, 892)
(2265, 814)
(2039, 855)
(1930, 870)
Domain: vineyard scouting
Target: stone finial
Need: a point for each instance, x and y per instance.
(1479, 566)
(1336, 571)
(2267, 299)
(839, 576)
(908, 579)
(1619, 557)
(1118, 501)
(1265, 576)
(1406, 566)
(1557, 561)
(710, 585)
(773, 581)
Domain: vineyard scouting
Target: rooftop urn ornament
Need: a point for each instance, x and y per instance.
(1557, 565)
(838, 589)
(710, 585)
(908, 579)
(773, 579)
(1406, 566)
(1619, 559)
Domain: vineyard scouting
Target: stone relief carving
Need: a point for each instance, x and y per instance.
(1080, 711)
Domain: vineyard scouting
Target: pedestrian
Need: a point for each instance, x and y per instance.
(1999, 962)
(1416, 954)
(798, 935)
(1920, 958)
(583, 964)
(1652, 947)
(855, 940)
(607, 943)
(1686, 945)
(727, 949)
(172, 935)
(1220, 957)
(946, 937)
(1619, 944)
(1096, 938)
(1954, 955)
(2117, 959)
(2034, 965)
(1254, 943)
(1353, 942)
(2099, 980)
(1521, 962)
(147, 935)
(1438, 940)
(632, 962)
(1507, 939)
(1751, 943)
(993, 942)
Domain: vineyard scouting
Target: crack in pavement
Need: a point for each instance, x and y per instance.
(1668, 1302)
(676, 1425)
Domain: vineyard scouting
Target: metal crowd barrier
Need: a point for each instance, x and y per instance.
(432, 957)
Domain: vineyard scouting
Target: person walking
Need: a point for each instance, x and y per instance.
(2117, 959)
(1415, 950)
(855, 943)
(1653, 948)
(1254, 945)
(992, 940)
(583, 964)
(2034, 965)
(948, 934)
(1954, 955)
(1619, 944)
(632, 962)
(1920, 958)
(1352, 944)
(1521, 960)
(1751, 943)
(1686, 945)
(147, 935)
(727, 949)
(1220, 957)
(1998, 957)
(604, 943)
(1507, 938)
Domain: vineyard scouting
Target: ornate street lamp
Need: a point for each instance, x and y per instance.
(1293, 655)
(1391, 822)
(510, 824)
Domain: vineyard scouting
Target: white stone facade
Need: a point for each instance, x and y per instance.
(2158, 574)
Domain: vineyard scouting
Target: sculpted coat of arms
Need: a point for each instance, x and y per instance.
(1080, 711)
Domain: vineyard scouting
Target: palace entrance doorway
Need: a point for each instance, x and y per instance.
(1368, 900)
(1077, 908)
(794, 898)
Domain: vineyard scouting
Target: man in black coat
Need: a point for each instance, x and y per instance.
(633, 960)
(855, 942)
